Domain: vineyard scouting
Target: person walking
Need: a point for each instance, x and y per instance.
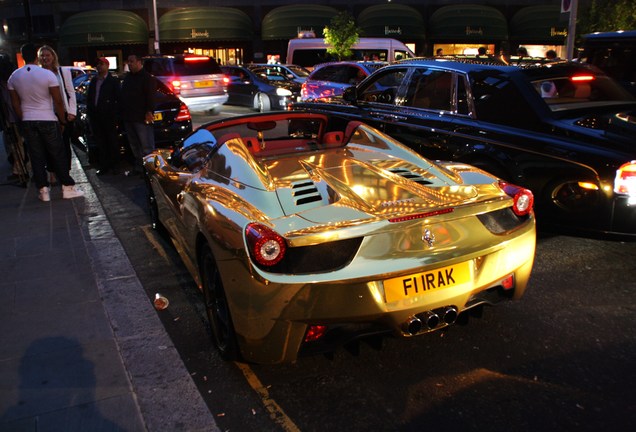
(37, 102)
(102, 108)
(137, 104)
(48, 59)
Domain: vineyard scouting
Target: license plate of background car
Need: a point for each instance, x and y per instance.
(158, 116)
(199, 84)
(419, 284)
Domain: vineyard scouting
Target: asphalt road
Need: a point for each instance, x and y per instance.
(560, 359)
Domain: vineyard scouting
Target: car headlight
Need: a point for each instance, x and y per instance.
(283, 92)
(625, 182)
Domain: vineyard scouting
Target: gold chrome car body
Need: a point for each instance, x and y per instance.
(377, 238)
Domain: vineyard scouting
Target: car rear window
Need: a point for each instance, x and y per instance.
(182, 66)
(196, 66)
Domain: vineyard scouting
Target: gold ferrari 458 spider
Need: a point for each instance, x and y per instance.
(306, 231)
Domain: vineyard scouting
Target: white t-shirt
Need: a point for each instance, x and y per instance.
(32, 84)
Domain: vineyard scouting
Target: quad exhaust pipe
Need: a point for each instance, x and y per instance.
(429, 320)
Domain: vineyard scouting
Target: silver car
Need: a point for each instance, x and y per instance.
(197, 80)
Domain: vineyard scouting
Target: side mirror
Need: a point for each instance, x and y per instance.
(350, 95)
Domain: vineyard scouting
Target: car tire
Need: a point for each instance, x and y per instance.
(215, 111)
(261, 102)
(217, 308)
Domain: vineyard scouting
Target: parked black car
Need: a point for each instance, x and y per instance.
(564, 130)
(172, 124)
(260, 88)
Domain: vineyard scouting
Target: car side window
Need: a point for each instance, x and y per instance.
(355, 75)
(492, 93)
(157, 67)
(430, 89)
(383, 87)
(324, 74)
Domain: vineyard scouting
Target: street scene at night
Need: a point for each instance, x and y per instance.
(249, 228)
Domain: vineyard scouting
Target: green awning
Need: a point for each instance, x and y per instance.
(286, 22)
(539, 24)
(205, 24)
(103, 27)
(468, 22)
(392, 20)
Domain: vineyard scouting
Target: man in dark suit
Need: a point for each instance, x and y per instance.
(102, 110)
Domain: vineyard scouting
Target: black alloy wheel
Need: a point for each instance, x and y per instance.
(217, 309)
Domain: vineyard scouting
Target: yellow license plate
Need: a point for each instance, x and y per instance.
(418, 284)
(158, 116)
(203, 84)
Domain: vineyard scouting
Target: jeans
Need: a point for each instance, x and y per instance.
(43, 140)
(141, 138)
(104, 129)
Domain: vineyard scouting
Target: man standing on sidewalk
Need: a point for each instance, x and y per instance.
(137, 111)
(37, 101)
(102, 107)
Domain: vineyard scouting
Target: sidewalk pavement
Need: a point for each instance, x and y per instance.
(81, 346)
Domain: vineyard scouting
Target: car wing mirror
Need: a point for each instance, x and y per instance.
(350, 95)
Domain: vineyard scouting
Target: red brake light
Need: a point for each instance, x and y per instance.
(582, 78)
(226, 80)
(184, 113)
(315, 332)
(196, 58)
(523, 200)
(266, 246)
(625, 182)
(175, 86)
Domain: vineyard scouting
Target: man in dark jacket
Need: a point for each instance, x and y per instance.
(102, 107)
(137, 110)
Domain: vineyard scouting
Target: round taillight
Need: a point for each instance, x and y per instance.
(522, 198)
(266, 246)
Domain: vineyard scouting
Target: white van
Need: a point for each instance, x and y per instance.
(308, 52)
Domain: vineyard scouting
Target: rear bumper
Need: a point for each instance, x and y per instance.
(204, 103)
(276, 333)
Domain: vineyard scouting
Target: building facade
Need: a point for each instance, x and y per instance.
(236, 31)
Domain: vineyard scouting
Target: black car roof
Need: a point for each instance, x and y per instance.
(544, 70)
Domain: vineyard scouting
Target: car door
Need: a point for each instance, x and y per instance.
(241, 87)
(392, 103)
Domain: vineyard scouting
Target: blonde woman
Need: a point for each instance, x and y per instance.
(48, 59)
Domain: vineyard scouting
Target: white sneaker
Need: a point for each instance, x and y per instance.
(45, 194)
(69, 192)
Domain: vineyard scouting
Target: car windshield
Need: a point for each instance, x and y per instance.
(299, 71)
(580, 91)
(270, 74)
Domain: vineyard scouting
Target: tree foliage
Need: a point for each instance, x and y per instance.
(341, 34)
(607, 15)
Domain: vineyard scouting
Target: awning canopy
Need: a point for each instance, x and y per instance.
(468, 22)
(286, 22)
(392, 20)
(103, 27)
(205, 24)
(539, 24)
